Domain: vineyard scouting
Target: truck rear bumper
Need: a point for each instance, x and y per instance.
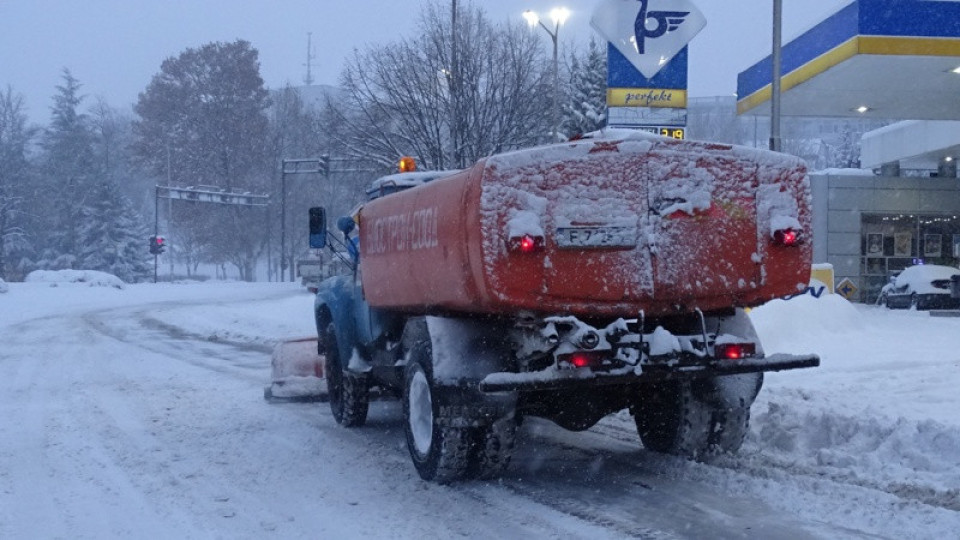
(583, 379)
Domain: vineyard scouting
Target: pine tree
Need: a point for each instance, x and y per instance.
(586, 110)
(69, 171)
(112, 236)
(15, 137)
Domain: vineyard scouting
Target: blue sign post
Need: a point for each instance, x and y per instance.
(647, 62)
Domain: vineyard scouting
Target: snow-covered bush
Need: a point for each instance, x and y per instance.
(93, 278)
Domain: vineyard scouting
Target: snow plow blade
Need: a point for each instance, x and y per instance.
(505, 382)
(297, 372)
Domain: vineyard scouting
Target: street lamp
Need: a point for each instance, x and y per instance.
(558, 16)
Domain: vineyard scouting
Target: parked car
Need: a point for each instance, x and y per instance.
(925, 286)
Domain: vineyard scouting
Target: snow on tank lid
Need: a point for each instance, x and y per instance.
(396, 181)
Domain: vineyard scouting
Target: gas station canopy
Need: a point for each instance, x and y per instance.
(891, 59)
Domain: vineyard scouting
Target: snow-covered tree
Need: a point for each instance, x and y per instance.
(586, 107)
(113, 235)
(69, 170)
(845, 152)
(202, 121)
(15, 137)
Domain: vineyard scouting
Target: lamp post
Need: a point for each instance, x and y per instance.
(775, 82)
(558, 16)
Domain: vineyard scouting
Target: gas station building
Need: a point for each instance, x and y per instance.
(889, 59)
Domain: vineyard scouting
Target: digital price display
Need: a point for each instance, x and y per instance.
(672, 132)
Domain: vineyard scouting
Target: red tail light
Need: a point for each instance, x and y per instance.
(526, 243)
(584, 359)
(580, 360)
(786, 237)
(734, 351)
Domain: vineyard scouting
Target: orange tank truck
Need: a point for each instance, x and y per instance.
(569, 282)
(616, 227)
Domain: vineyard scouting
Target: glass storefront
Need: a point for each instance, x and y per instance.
(892, 242)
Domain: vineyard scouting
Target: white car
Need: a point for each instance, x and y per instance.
(924, 286)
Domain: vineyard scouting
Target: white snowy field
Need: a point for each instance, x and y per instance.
(138, 412)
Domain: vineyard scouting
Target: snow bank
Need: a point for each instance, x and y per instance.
(3, 286)
(888, 454)
(785, 325)
(93, 278)
(880, 411)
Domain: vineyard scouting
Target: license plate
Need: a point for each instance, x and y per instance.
(596, 237)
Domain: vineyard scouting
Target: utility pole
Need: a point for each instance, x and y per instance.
(309, 78)
(454, 84)
(156, 223)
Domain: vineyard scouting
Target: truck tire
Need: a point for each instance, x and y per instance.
(494, 448)
(729, 428)
(672, 419)
(349, 392)
(440, 451)
(731, 399)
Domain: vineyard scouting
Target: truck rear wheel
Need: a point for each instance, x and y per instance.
(440, 451)
(732, 396)
(349, 392)
(729, 428)
(494, 448)
(672, 419)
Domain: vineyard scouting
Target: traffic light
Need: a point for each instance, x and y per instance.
(157, 245)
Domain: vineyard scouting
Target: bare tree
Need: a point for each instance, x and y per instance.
(446, 102)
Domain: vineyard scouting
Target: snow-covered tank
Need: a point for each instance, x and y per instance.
(594, 228)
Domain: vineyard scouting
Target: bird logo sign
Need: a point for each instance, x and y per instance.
(649, 33)
(661, 22)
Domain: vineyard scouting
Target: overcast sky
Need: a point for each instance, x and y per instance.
(114, 47)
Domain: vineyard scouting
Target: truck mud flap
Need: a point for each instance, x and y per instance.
(465, 405)
(572, 380)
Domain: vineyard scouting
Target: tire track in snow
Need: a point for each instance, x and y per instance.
(762, 461)
(239, 360)
(756, 460)
(137, 328)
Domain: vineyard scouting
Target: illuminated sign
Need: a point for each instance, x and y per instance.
(646, 97)
(648, 33)
(678, 133)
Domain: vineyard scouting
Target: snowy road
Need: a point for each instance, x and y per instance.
(139, 413)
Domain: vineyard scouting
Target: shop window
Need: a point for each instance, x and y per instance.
(892, 242)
